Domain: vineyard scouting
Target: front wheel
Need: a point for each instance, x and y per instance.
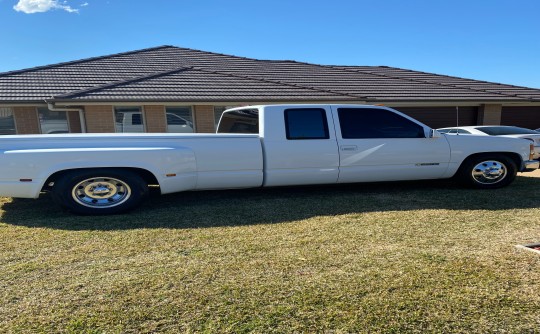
(488, 171)
(99, 191)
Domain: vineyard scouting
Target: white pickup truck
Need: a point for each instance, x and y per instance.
(257, 146)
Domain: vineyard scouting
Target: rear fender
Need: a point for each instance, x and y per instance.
(174, 168)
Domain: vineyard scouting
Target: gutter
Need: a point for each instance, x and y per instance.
(82, 118)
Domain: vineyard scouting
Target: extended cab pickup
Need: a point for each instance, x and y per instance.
(257, 146)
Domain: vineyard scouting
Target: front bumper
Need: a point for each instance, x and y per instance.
(530, 165)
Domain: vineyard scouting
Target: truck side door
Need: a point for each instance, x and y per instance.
(299, 146)
(381, 144)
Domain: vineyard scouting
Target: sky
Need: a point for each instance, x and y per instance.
(492, 40)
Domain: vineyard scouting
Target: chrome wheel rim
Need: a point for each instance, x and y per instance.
(489, 172)
(101, 192)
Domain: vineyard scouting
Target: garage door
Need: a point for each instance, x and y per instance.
(440, 117)
(526, 117)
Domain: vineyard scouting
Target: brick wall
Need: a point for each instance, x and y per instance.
(204, 119)
(154, 117)
(490, 114)
(99, 119)
(26, 120)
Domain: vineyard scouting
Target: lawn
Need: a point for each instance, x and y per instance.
(390, 257)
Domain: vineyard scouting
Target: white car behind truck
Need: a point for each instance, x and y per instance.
(498, 130)
(258, 146)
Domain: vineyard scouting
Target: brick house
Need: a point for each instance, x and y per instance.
(172, 89)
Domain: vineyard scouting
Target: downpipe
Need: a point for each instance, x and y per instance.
(82, 118)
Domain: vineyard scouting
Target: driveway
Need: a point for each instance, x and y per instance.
(536, 173)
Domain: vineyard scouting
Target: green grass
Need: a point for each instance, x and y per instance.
(396, 257)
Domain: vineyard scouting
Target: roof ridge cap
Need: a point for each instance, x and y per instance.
(123, 82)
(218, 53)
(83, 60)
(434, 83)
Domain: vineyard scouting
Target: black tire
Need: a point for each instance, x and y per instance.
(99, 191)
(489, 171)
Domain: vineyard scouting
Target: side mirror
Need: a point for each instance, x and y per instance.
(434, 134)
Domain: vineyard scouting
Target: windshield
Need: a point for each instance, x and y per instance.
(507, 130)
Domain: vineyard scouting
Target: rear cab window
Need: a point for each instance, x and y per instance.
(239, 121)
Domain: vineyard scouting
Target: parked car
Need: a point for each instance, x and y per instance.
(498, 130)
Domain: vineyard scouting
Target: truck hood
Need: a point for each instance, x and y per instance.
(461, 144)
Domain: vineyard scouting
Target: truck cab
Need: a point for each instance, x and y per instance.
(305, 144)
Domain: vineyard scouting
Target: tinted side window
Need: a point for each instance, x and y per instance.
(506, 130)
(306, 123)
(376, 123)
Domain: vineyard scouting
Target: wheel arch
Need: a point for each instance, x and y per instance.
(516, 158)
(145, 174)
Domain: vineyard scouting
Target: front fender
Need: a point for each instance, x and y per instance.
(463, 146)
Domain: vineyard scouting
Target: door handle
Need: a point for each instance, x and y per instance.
(349, 147)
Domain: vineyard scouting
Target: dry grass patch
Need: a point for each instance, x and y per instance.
(409, 257)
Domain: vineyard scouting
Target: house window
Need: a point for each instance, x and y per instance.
(7, 122)
(218, 111)
(179, 120)
(52, 122)
(128, 119)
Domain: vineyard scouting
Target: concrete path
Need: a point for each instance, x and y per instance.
(536, 173)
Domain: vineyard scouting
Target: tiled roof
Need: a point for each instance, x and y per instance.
(194, 84)
(170, 73)
(447, 81)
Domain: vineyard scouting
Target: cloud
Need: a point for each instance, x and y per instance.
(41, 6)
